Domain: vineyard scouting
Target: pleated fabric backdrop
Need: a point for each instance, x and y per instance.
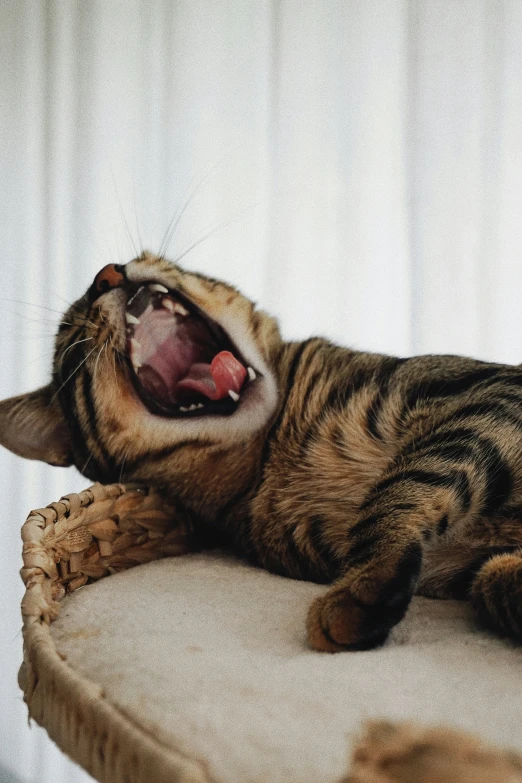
(356, 165)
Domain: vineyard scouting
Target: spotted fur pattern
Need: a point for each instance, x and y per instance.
(380, 475)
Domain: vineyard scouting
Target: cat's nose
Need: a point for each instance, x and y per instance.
(111, 276)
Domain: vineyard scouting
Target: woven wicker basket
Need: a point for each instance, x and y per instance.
(81, 538)
(107, 529)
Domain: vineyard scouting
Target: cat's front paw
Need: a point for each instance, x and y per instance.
(358, 614)
(337, 621)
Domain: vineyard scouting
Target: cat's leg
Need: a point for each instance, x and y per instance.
(483, 565)
(383, 555)
(496, 593)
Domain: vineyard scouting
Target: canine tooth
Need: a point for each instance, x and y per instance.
(251, 374)
(135, 353)
(158, 287)
(135, 347)
(131, 319)
(185, 410)
(234, 395)
(193, 407)
(200, 405)
(174, 307)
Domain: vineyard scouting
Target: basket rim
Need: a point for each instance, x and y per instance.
(75, 711)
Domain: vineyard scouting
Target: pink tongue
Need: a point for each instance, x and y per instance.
(227, 374)
(215, 380)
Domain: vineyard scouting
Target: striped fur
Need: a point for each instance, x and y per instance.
(382, 476)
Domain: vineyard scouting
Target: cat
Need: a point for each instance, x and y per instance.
(383, 476)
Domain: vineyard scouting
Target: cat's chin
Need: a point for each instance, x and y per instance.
(182, 363)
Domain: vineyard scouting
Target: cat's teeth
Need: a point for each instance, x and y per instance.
(251, 374)
(135, 353)
(159, 288)
(131, 319)
(185, 410)
(200, 405)
(174, 307)
(234, 395)
(193, 407)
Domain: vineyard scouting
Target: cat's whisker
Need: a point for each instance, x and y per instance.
(125, 223)
(71, 375)
(41, 357)
(81, 324)
(16, 334)
(86, 463)
(123, 463)
(70, 305)
(214, 230)
(79, 314)
(25, 319)
(102, 317)
(85, 340)
(45, 330)
(114, 353)
(114, 369)
(32, 304)
(120, 359)
(21, 316)
(98, 358)
(191, 192)
(55, 323)
(83, 321)
(136, 217)
(65, 301)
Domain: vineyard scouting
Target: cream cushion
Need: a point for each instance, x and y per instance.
(208, 656)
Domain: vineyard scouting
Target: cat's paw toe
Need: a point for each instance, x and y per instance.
(337, 622)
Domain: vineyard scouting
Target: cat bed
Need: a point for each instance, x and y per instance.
(195, 669)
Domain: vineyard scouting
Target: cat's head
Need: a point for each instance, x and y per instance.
(150, 361)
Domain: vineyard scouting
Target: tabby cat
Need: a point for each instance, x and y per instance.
(383, 476)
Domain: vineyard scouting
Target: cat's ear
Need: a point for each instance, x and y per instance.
(32, 426)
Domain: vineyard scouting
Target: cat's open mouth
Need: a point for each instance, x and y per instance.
(183, 363)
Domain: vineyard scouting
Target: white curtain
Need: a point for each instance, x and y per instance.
(357, 163)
